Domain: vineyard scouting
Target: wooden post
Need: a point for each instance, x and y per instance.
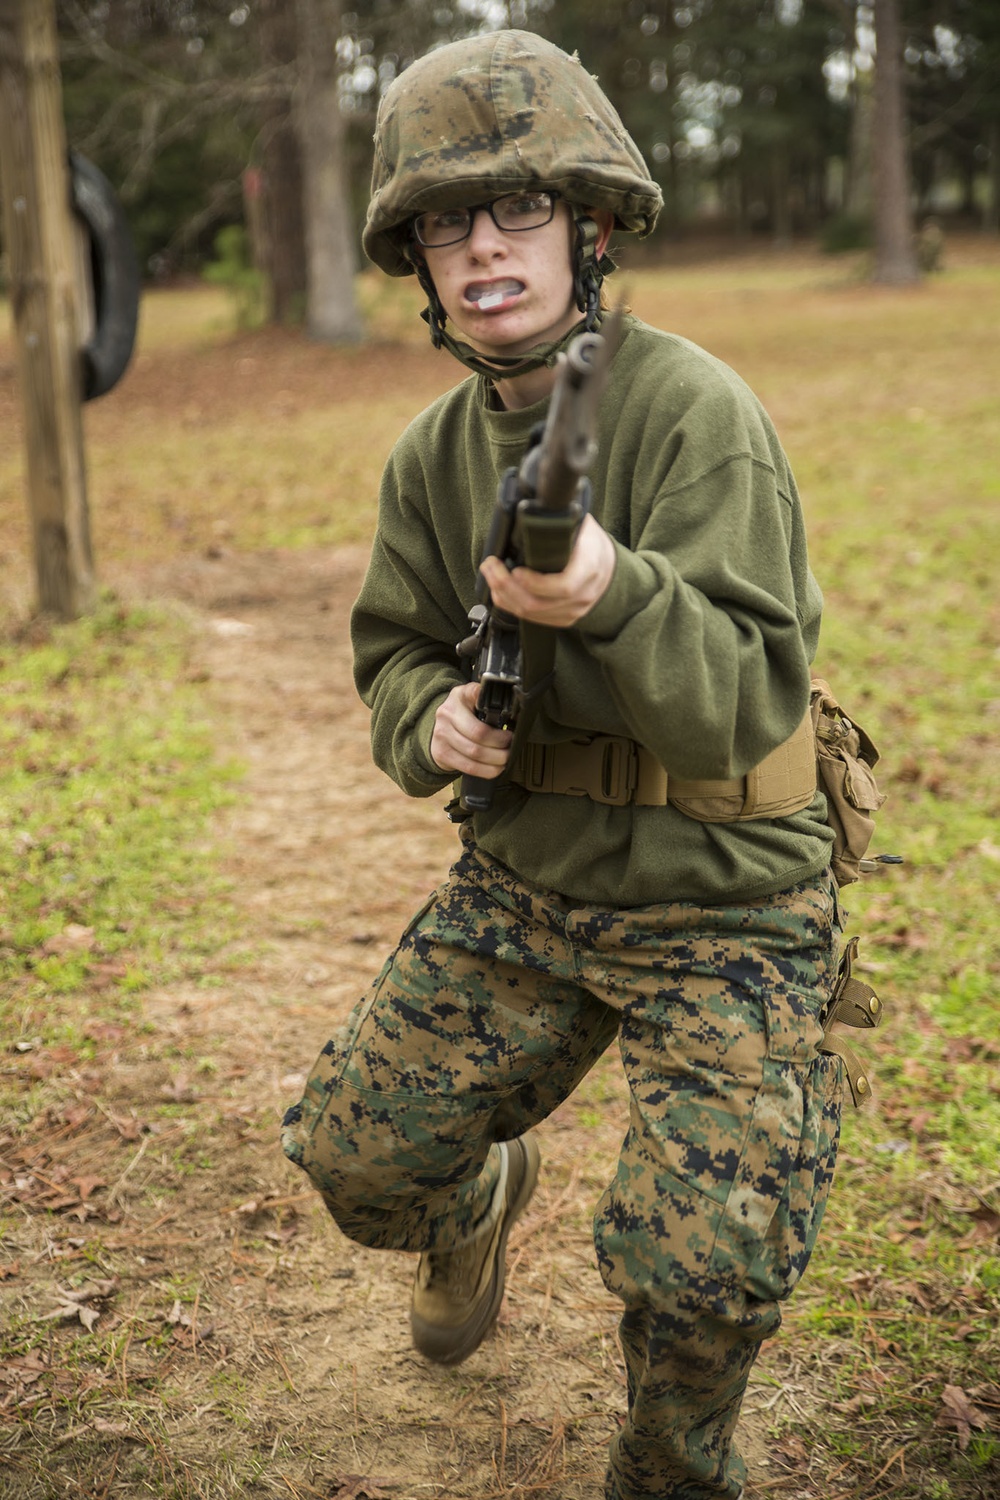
(38, 231)
(895, 253)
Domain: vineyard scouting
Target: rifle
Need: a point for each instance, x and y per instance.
(538, 512)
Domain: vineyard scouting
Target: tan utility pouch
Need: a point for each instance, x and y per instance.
(852, 1003)
(845, 756)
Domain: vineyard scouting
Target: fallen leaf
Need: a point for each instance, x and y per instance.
(791, 1451)
(986, 1226)
(93, 1291)
(287, 1232)
(23, 1371)
(960, 1413)
(184, 1329)
(87, 1185)
(230, 628)
(75, 1116)
(188, 1336)
(128, 1127)
(250, 1207)
(76, 1302)
(88, 1316)
(857, 1403)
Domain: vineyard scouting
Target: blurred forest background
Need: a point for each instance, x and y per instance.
(239, 132)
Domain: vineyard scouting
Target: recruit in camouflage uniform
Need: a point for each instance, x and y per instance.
(707, 949)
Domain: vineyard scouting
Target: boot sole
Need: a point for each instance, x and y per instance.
(450, 1346)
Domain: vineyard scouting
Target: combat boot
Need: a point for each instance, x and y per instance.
(458, 1292)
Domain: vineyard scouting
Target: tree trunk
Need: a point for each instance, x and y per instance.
(895, 254)
(781, 209)
(991, 212)
(43, 255)
(858, 196)
(283, 243)
(331, 307)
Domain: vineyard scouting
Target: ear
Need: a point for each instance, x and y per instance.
(605, 222)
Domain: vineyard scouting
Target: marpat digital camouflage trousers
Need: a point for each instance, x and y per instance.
(493, 1007)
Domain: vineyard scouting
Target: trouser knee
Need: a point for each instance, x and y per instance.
(388, 1167)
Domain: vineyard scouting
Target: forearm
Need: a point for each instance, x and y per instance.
(402, 727)
(710, 685)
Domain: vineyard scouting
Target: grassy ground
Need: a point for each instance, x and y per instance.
(108, 867)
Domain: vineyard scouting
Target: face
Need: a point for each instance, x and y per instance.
(506, 291)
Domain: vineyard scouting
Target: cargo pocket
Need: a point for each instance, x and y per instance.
(791, 1235)
(786, 1159)
(786, 1168)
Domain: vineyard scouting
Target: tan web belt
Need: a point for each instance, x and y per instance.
(607, 768)
(612, 769)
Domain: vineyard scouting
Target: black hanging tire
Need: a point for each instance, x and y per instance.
(114, 272)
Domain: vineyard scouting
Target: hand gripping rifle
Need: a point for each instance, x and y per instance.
(538, 512)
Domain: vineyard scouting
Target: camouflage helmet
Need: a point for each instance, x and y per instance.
(486, 116)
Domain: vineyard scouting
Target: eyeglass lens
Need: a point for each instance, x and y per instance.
(512, 213)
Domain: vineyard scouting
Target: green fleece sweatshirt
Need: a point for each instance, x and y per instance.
(699, 649)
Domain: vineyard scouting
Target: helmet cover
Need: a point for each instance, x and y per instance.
(490, 115)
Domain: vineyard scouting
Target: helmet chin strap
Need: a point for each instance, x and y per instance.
(509, 366)
(589, 271)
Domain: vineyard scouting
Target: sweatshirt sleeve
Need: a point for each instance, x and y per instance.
(704, 636)
(404, 635)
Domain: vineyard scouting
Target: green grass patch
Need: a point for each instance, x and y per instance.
(110, 782)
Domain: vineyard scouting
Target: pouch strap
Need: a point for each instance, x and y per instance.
(852, 1003)
(857, 1078)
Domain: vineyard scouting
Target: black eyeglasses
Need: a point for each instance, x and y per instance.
(513, 213)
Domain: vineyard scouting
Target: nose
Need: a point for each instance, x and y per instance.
(485, 238)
